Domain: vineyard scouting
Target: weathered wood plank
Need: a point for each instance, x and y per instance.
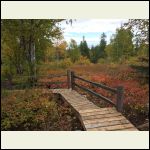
(129, 129)
(81, 103)
(85, 107)
(97, 112)
(92, 117)
(99, 109)
(84, 104)
(103, 120)
(101, 116)
(113, 128)
(73, 100)
(106, 123)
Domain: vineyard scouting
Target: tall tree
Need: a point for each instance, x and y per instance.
(140, 28)
(95, 53)
(30, 37)
(102, 46)
(121, 45)
(73, 51)
(98, 51)
(84, 48)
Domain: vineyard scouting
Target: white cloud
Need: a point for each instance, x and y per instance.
(81, 27)
(94, 25)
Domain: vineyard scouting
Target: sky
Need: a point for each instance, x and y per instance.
(91, 29)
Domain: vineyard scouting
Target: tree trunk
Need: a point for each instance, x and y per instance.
(19, 69)
(32, 59)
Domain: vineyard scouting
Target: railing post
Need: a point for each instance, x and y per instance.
(119, 105)
(72, 80)
(69, 78)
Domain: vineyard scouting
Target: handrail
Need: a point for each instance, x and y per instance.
(50, 76)
(71, 84)
(98, 84)
(118, 90)
(96, 94)
(40, 82)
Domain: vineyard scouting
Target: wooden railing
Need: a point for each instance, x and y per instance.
(71, 77)
(32, 81)
(55, 76)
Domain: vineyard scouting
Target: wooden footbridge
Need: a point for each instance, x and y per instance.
(92, 117)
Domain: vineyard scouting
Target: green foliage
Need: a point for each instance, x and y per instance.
(50, 54)
(132, 60)
(8, 72)
(54, 65)
(84, 48)
(65, 63)
(143, 50)
(83, 61)
(24, 41)
(102, 46)
(109, 52)
(94, 54)
(140, 28)
(121, 46)
(102, 61)
(98, 51)
(73, 51)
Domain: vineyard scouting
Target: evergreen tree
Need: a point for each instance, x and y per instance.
(98, 51)
(84, 48)
(101, 53)
(95, 54)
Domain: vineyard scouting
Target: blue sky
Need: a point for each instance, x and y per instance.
(91, 29)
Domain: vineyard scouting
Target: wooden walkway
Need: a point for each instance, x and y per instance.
(92, 117)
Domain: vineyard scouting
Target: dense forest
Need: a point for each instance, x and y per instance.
(34, 47)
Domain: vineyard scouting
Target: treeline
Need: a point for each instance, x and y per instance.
(124, 45)
(26, 43)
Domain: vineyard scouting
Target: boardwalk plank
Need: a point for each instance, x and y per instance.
(113, 128)
(103, 120)
(100, 116)
(98, 112)
(92, 117)
(106, 123)
(98, 109)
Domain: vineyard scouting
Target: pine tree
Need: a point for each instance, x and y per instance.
(102, 46)
(98, 51)
(84, 48)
